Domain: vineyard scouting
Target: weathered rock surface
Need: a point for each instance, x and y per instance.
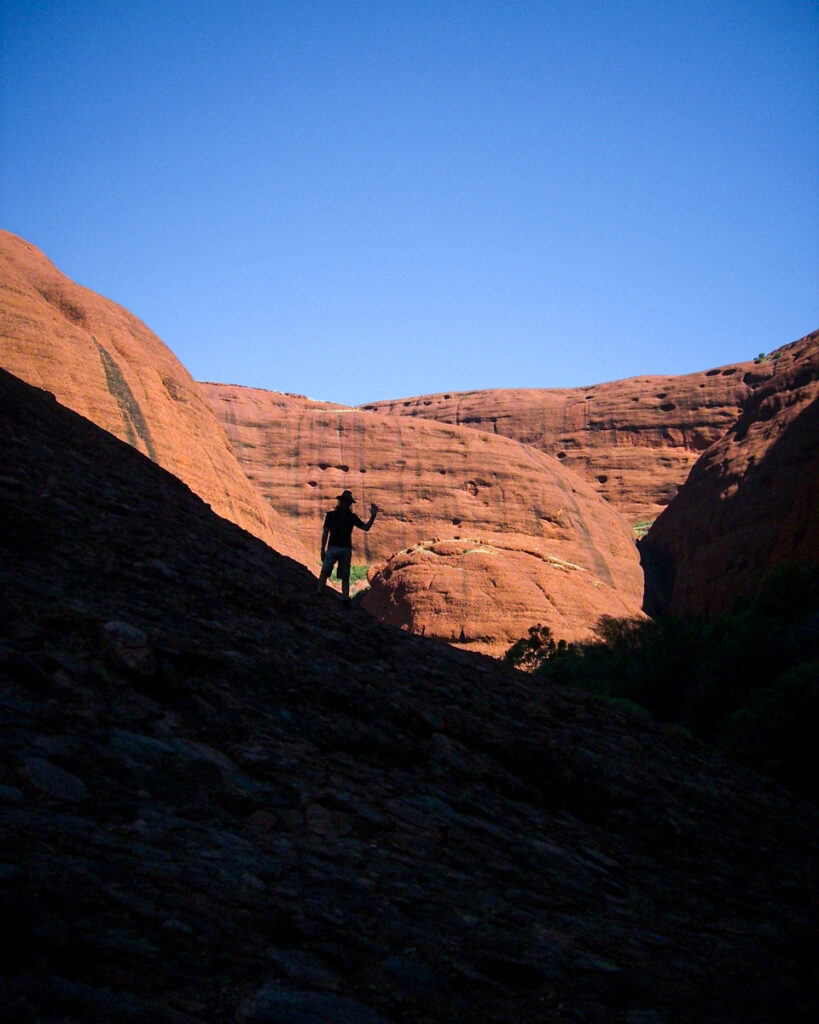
(633, 440)
(484, 594)
(103, 363)
(431, 480)
(302, 814)
(751, 502)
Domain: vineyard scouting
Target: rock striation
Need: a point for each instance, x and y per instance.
(633, 440)
(224, 800)
(573, 556)
(103, 363)
(751, 502)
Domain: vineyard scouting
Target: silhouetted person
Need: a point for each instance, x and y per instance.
(337, 541)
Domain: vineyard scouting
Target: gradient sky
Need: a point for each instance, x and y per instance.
(364, 200)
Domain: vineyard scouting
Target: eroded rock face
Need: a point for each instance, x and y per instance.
(302, 814)
(431, 480)
(484, 594)
(634, 440)
(750, 503)
(100, 361)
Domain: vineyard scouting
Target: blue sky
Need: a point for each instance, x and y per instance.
(365, 200)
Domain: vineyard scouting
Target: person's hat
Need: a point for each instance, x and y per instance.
(346, 496)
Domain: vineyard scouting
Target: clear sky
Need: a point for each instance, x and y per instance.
(363, 200)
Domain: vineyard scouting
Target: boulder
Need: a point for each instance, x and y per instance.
(484, 594)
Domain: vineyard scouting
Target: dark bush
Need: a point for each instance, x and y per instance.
(745, 681)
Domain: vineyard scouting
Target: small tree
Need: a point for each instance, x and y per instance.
(531, 651)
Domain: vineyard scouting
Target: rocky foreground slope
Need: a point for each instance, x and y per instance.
(555, 551)
(751, 502)
(633, 440)
(99, 360)
(225, 800)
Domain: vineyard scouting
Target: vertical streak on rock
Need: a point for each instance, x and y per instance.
(132, 416)
(294, 479)
(359, 432)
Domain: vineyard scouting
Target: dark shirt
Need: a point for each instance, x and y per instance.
(340, 523)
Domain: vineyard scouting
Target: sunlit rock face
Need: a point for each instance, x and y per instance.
(751, 502)
(483, 594)
(434, 481)
(102, 362)
(634, 441)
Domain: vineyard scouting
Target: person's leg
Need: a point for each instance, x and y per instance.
(344, 573)
(330, 559)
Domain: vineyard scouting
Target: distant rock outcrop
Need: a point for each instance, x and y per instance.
(568, 558)
(224, 800)
(633, 440)
(751, 502)
(100, 361)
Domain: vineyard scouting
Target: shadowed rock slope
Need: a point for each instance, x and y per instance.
(633, 440)
(226, 800)
(751, 502)
(103, 363)
(565, 555)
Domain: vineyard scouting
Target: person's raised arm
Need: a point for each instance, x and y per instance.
(373, 514)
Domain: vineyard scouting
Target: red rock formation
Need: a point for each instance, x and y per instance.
(752, 500)
(484, 594)
(431, 480)
(634, 440)
(100, 361)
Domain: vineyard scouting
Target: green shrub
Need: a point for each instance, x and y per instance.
(357, 573)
